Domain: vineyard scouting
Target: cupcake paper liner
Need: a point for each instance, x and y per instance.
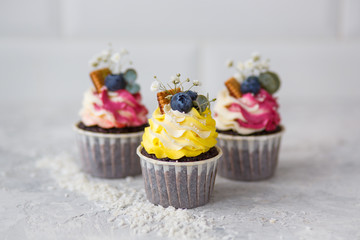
(249, 158)
(179, 184)
(109, 155)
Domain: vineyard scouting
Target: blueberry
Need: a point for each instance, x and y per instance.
(115, 82)
(250, 85)
(192, 94)
(181, 102)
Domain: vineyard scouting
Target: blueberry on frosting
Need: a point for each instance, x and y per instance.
(181, 102)
(179, 99)
(112, 64)
(115, 82)
(253, 74)
(251, 85)
(192, 94)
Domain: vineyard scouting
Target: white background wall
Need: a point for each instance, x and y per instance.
(45, 45)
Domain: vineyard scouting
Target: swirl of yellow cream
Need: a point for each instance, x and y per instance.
(175, 134)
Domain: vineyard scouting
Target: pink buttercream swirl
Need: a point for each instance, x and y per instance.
(266, 117)
(113, 109)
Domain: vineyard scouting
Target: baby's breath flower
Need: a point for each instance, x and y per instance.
(240, 66)
(249, 64)
(265, 65)
(105, 53)
(177, 84)
(229, 63)
(175, 80)
(115, 57)
(240, 77)
(253, 66)
(258, 66)
(255, 56)
(93, 63)
(123, 51)
(155, 86)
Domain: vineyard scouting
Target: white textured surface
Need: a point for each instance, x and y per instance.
(314, 195)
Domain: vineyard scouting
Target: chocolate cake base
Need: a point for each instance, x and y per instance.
(232, 132)
(249, 158)
(98, 129)
(112, 156)
(206, 155)
(179, 184)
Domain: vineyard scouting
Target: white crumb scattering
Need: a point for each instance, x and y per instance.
(272, 220)
(129, 206)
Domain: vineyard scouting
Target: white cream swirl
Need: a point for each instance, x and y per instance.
(175, 134)
(248, 114)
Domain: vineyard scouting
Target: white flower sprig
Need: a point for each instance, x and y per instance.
(251, 66)
(115, 61)
(200, 103)
(159, 86)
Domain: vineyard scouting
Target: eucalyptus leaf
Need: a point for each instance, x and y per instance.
(130, 76)
(133, 88)
(201, 103)
(269, 81)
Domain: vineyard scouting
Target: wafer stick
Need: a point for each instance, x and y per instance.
(162, 100)
(98, 77)
(234, 87)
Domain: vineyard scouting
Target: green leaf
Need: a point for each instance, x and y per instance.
(269, 81)
(133, 88)
(130, 76)
(201, 103)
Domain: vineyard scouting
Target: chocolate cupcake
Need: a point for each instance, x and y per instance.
(178, 153)
(112, 119)
(248, 122)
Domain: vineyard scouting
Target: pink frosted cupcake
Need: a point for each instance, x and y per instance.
(112, 119)
(248, 122)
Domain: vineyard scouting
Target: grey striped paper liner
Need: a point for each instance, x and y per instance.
(249, 158)
(179, 184)
(109, 155)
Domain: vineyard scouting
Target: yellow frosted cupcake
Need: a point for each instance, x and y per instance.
(178, 153)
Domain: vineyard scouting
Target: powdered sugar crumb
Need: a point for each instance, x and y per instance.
(127, 204)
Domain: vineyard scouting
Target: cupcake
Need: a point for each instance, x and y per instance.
(112, 119)
(248, 122)
(178, 153)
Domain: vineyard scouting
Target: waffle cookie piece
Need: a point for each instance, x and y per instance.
(162, 100)
(234, 87)
(98, 77)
